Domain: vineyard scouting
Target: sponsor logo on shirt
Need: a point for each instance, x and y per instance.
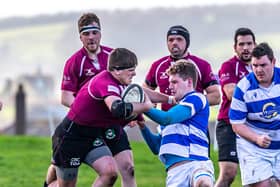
(163, 75)
(112, 88)
(224, 77)
(66, 78)
(88, 72)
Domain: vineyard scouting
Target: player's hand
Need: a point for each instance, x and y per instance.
(132, 123)
(264, 140)
(148, 102)
(141, 124)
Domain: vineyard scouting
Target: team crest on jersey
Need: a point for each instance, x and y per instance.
(97, 142)
(270, 110)
(110, 134)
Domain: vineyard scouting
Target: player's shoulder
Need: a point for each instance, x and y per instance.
(199, 95)
(232, 60)
(277, 72)
(229, 63)
(106, 49)
(161, 60)
(77, 55)
(197, 59)
(196, 97)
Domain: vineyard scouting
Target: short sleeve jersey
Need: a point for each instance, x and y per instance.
(79, 68)
(188, 138)
(158, 77)
(231, 71)
(258, 107)
(89, 108)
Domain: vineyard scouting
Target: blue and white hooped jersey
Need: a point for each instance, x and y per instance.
(188, 138)
(258, 107)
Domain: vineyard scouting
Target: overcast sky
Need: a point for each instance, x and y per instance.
(35, 7)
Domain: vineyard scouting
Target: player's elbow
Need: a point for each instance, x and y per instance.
(215, 98)
(234, 128)
(121, 109)
(65, 102)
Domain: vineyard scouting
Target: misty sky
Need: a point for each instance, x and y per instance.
(34, 7)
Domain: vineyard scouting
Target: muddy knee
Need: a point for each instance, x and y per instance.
(131, 171)
(113, 178)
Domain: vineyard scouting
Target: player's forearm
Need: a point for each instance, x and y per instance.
(213, 95)
(176, 114)
(67, 98)
(156, 97)
(213, 98)
(152, 140)
(245, 132)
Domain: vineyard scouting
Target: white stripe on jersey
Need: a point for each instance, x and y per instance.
(196, 149)
(176, 128)
(261, 94)
(238, 105)
(174, 149)
(82, 66)
(156, 72)
(112, 88)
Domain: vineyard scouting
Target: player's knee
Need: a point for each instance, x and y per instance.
(131, 171)
(229, 174)
(205, 183)
(111, 173)
(112, 179)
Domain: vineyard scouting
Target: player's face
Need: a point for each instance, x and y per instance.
(126, 75)
(176, 45)
(91, 39)
(179, 87)
(244, 47)
(263, 70)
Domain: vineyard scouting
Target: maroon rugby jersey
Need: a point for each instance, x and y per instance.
(157, 76)
(79, 68)
(231, 71)
(89, 108)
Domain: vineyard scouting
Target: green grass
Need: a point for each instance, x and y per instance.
(24, 161)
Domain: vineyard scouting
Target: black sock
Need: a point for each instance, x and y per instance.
(45, 184)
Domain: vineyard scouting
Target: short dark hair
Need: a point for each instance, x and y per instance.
(87, 19)
(185, 69)
(263, 49)
(121, 58)
(242, 31)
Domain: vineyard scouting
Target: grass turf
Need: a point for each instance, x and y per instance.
(24, 161)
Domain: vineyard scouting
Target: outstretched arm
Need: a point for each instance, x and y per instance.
(152, 140)
(158, 97)
(176, 114)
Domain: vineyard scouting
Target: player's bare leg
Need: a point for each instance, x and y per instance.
(125, 164)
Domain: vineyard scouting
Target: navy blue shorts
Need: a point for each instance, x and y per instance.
(72, 142)
(226, 140)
